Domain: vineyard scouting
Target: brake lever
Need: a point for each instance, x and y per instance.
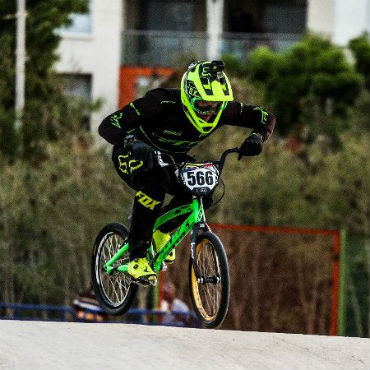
(161, 162)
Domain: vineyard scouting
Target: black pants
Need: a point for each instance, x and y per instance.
(151, 186)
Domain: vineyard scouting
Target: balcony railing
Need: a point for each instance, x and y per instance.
(164, 48)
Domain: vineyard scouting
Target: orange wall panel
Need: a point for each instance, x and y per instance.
(129, 76)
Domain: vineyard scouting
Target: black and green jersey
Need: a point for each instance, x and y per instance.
(158, 119)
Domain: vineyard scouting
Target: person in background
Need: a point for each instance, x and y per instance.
(86, 308)
(172, 304)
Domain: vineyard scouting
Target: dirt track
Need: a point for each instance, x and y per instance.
(53, 346)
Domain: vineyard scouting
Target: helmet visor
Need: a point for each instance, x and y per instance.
(206, 107)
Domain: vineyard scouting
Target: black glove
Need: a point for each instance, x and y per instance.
(140, 151)
(207, 201)
(251, 146)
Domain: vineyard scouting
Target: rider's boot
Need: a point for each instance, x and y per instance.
(161, 239)
(141, 272)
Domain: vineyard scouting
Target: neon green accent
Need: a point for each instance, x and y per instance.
(109, 265)
(114, 119)
(208, 85)
(123, 268)
(126, 166)
(216, 88)
(139, 268)
(218, 92)
(160, 239)
(196, 214)
(122, 160)
(204, 127)
(146, 200)
(136, 110)
(178, 211)
(264, 114)
(132, 165)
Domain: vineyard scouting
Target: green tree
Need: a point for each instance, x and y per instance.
(47, 111)
(360, 47)
(312, 85)
(49, 217)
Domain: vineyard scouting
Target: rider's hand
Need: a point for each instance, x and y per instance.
(141, 152)
(251, 146)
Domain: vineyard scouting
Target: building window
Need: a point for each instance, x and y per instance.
(81, 23)
(168, 15)
(266, 16)
(78, 86)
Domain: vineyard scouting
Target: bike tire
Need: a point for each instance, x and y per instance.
(114, 292)
(210, 300)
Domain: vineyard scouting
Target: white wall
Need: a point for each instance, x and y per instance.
(96, 53)
(342, 20)
(321, 16)
(352, 18)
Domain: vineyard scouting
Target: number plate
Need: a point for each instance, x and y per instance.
(201, 179)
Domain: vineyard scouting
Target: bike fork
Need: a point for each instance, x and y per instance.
(193, 244)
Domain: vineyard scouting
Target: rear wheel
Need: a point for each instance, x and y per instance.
(114, 291)
(210, 290)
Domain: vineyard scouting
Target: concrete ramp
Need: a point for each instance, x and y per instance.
(54, 346)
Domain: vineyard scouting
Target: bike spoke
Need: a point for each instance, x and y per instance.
(208, 266)
(116, 285)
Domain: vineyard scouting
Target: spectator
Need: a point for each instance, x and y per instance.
(172, 304)
(86, 308)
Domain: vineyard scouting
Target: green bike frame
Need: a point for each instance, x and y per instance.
(196, 215)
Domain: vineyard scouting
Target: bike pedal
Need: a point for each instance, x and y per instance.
(152, 280)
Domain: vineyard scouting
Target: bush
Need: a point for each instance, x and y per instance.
(50, 215)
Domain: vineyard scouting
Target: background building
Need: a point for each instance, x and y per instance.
(123, 47)
(90, 55)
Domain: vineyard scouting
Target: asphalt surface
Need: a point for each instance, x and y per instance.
(54, 346)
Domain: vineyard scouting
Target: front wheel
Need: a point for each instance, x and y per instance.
(210, 290)
(114, 291)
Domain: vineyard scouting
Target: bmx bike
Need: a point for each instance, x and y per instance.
(209, 280)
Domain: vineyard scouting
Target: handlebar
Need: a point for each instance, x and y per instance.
(220, 162)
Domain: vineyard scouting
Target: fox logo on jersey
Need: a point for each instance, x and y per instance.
(146, 200)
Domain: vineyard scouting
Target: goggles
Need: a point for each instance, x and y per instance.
(205, 107)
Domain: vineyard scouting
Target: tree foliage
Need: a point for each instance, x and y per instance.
(360, 47)
(310, 86)
(49, 217)
(47, 111)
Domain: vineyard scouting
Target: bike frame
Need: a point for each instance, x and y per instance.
(156, 259)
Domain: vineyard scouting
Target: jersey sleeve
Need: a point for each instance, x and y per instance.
(127, 120)
(250, 116)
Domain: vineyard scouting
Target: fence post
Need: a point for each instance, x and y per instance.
(343, 272)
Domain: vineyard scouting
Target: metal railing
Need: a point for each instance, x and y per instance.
(165, 48)
(40, 312)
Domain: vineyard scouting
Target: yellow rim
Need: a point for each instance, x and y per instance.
(195, 288)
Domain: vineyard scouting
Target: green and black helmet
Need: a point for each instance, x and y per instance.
(205, 90)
